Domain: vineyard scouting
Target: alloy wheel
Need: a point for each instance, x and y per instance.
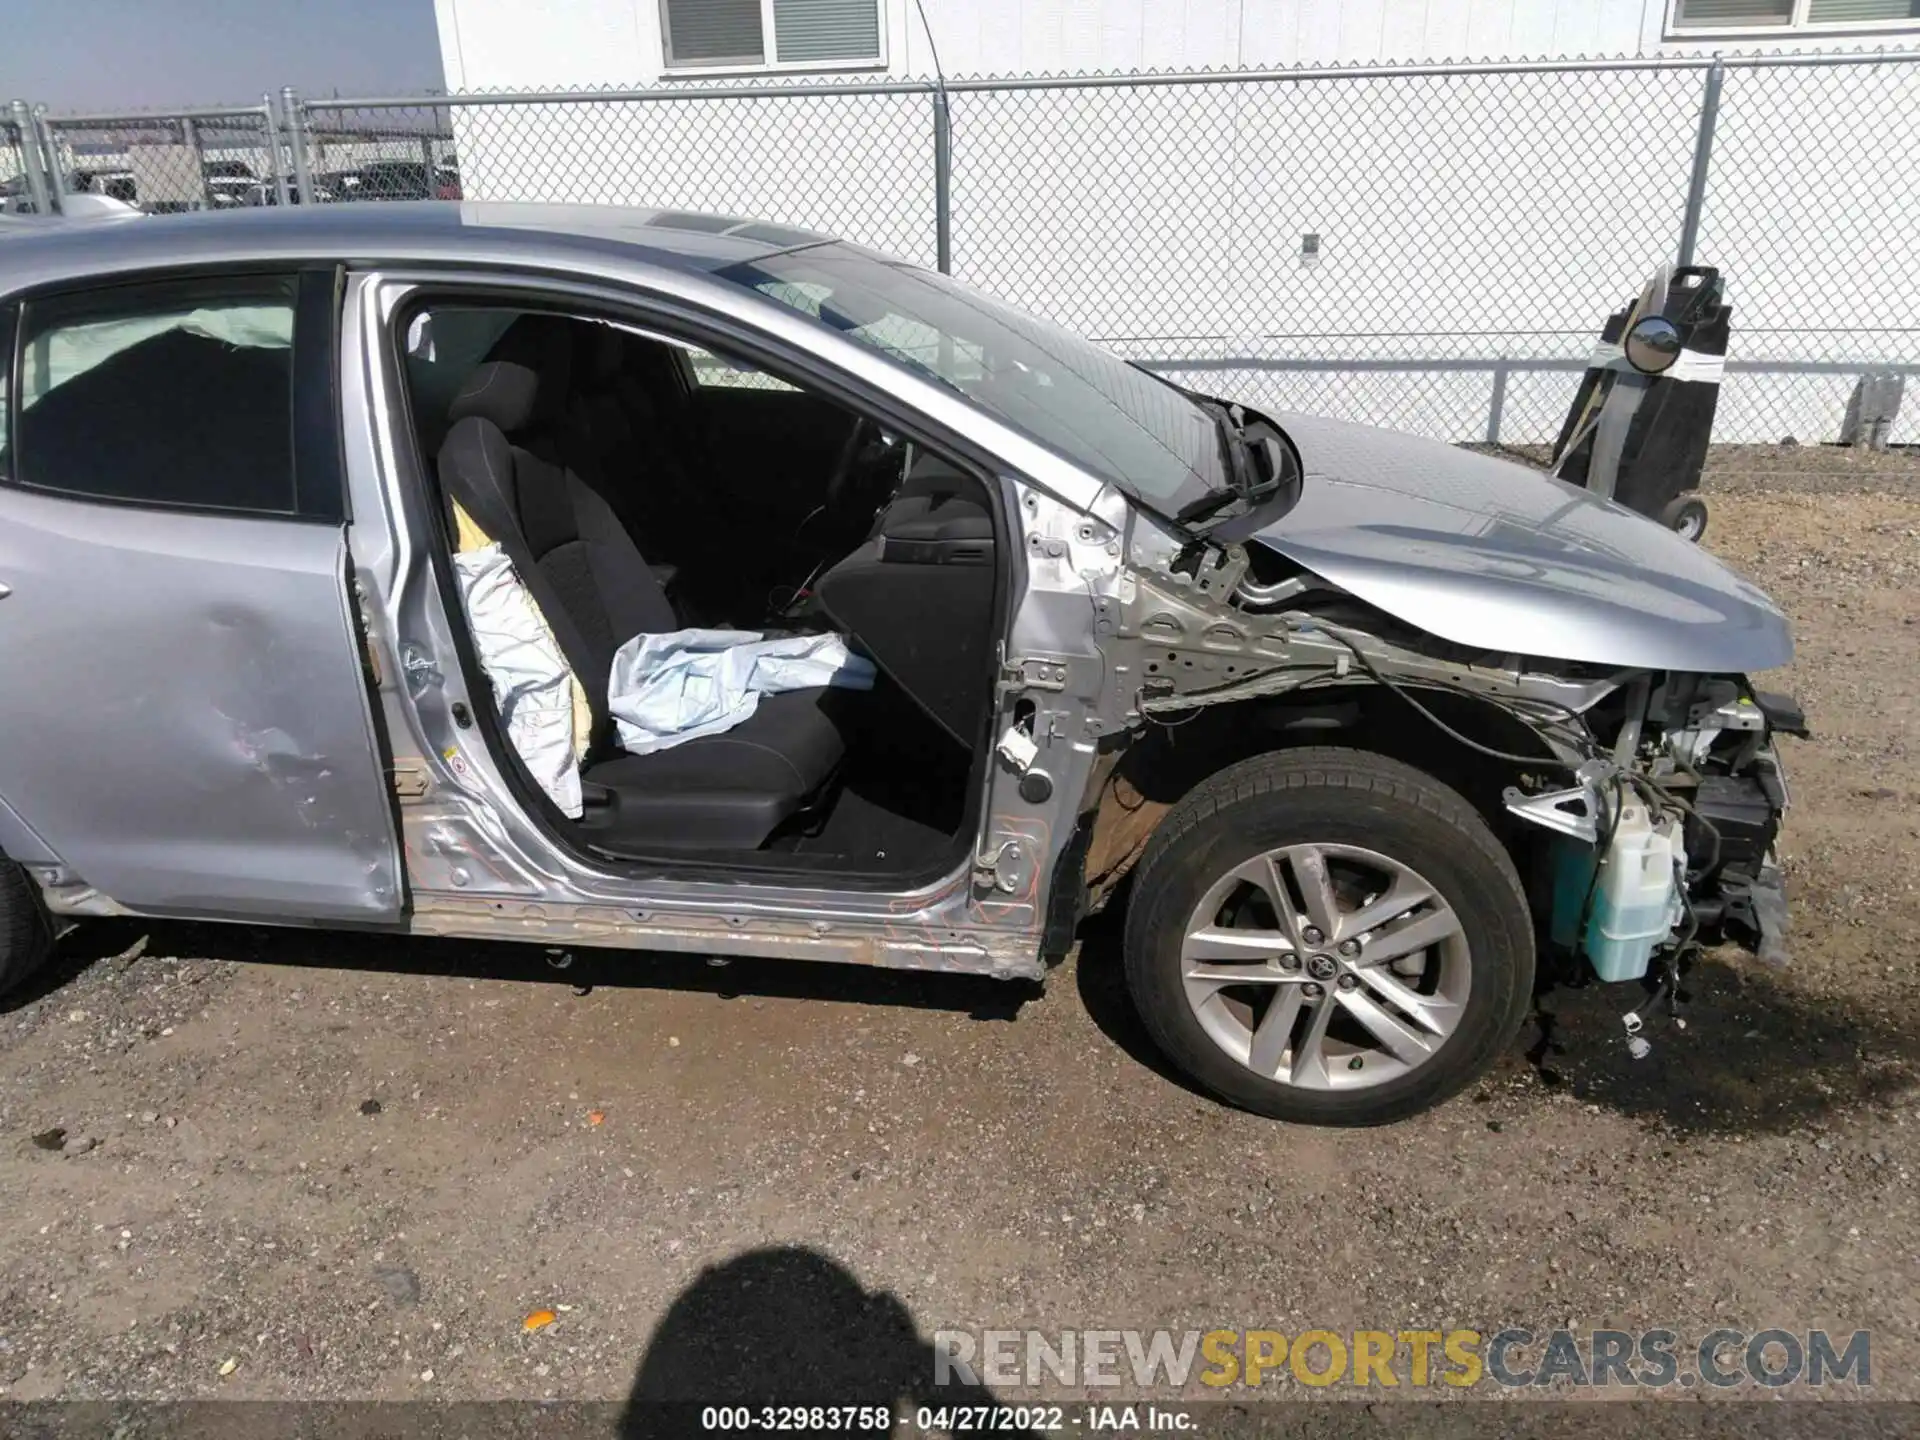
(1326, 967)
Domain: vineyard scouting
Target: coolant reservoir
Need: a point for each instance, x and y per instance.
(1636, 900)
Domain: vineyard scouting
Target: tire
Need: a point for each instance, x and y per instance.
(1686, 515)
(26, 936)
(1362, 822)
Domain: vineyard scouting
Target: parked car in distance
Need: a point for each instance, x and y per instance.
(72, 207)
(1347, 720)
(337, 185)
(97, 193)
(230, 183)
(392, 180)
(117, 184)
(269, 191)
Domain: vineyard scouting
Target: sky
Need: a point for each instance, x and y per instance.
(102, 55)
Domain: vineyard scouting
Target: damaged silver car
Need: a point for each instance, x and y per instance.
(1351, 723)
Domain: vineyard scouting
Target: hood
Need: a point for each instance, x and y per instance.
(1491, 554)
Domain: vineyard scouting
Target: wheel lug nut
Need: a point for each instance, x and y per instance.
(1312, 935)
(1312, 991)
(1346, 982)
(1289, 962)
(1349, 948)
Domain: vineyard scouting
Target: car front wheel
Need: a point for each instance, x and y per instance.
(1330, 937)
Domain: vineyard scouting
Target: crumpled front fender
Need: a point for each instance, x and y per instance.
(1486, 553)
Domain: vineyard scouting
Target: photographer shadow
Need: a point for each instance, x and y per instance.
(785, 1327)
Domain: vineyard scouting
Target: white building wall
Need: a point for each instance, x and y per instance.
(521, 44)
(531, 44)
(1462, 221)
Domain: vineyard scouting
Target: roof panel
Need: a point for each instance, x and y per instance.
(427, 229)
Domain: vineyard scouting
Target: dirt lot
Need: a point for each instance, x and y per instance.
(303, 1166)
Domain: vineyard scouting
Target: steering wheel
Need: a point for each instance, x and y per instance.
(837, 503)
(859, 435)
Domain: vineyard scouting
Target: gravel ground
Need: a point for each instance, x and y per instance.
(251, 1163)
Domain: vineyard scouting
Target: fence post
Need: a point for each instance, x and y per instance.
(942, 182)
(1497, 403)
(190, 139)
(276, 136)
(1702, 155)
(50, 154)
(31, 159)
(297, 140)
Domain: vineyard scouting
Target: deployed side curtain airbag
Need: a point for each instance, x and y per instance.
(668, 689)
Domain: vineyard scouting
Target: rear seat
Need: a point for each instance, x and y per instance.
(585, 420)
(726, 792)
(623, 443)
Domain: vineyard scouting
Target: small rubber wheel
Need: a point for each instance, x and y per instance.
(1686, 516)
(26, 935)
(1330, 937)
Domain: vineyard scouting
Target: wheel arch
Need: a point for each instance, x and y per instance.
(1321, 805)
(20, 841)
(1170, 760)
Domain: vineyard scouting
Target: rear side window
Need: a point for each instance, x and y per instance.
(171, 394)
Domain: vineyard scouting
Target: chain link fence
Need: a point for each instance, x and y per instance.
(852, 162)
(23, 170)
(397, 153)
(1810, 208)
(1369, 246)
(13, 161)
(206, 159)
(1429, 247)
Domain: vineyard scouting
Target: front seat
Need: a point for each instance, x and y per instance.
(720, 792)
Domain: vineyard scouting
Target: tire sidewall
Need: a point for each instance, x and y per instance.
(1681, 510)
(1470, 871)
(26, 937)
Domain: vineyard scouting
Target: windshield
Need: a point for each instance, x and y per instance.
(1114, 420)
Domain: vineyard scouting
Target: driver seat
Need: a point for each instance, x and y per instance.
(720, 792)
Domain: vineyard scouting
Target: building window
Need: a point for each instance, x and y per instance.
(1773, 17)
(722, 34)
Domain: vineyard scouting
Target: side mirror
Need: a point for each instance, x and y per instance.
(1653, 344)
